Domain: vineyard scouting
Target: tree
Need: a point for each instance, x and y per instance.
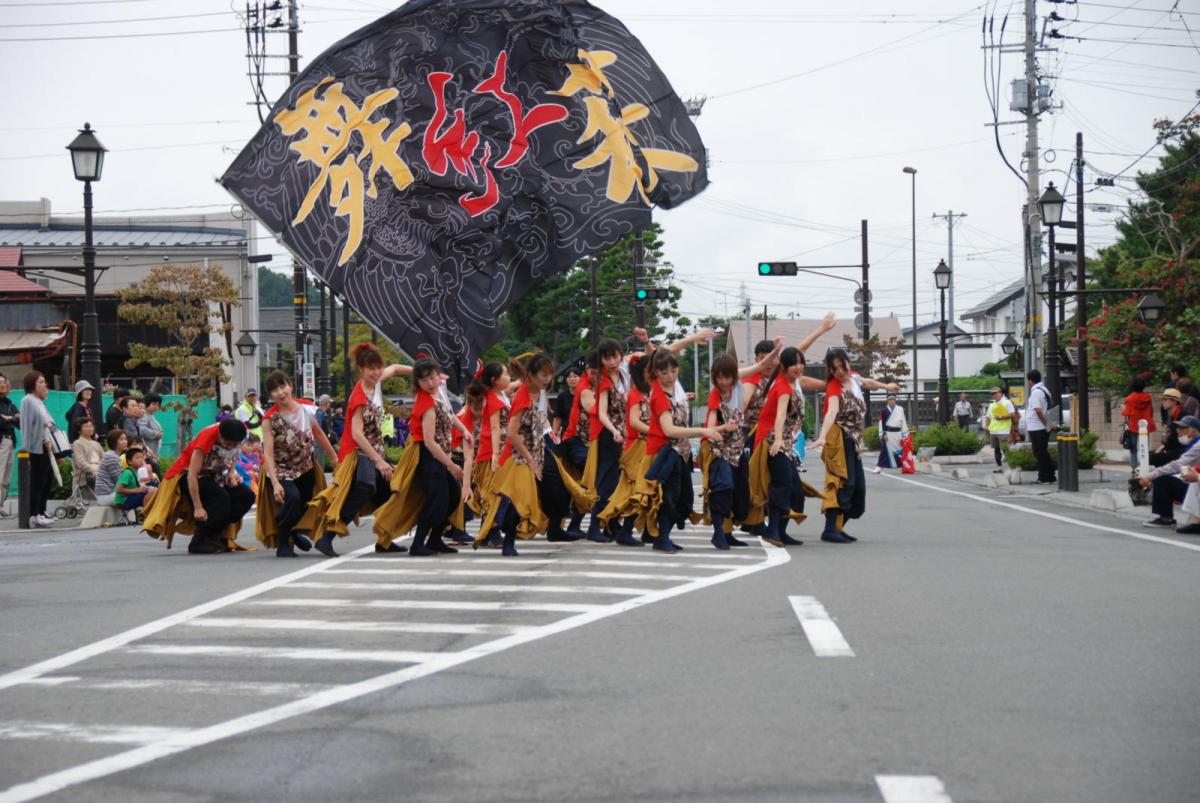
(275, 289)
(555, 316)
(1159, 239)
(878, 359)
(185, 302)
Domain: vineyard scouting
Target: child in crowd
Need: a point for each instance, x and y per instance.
(130, 493)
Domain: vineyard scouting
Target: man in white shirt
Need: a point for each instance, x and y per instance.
(963, 412)
(1037, 425)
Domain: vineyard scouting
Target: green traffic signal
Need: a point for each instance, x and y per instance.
(652, 294)
(641, 295)
(776, 268)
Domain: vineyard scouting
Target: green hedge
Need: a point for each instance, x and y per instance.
(1089, 455)
(948, 439)
(871, 439)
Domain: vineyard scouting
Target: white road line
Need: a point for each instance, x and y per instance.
(826, 640)
(912, 789)
(174, 686)
(523, 573)
(110, 765)
(656, 564)
(287, 653)
(1053, 516)
(470, 587)
(121, 639)
(301, 626)
(428, 605)
(93, 734)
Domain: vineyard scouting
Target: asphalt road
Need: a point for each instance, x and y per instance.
(980, 653)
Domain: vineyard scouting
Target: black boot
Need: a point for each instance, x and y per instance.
(719, 539)
(832, 534)
(324, 545)
(509, 550)
(419, 550)
(770, 533)
(439, 546)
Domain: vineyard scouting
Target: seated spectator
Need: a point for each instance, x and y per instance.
(1191, 502)
(110, 466)
(131, 494)
(226, 412)
(1169, 488)
(86, 454)
(249, 461)
(1191, 400)
(1139, 406)
(1171, 446)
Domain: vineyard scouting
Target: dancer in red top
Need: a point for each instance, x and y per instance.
(606, 433)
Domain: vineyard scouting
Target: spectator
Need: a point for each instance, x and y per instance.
(1037, 423)
(337, 424)
(86, 454)
(110, 466)
(1139, 406)
(1001, 414)
(81, 410)
(250, 414)
(10, 422)
(1191, 502)
(323, 407)
(130, 493)
(149, 427)
(1172, 446)
(225, 413)
(963, 412)
(35, 439)
(1168, 486)
(112, 417)
(1176, 373)
(1189, 400)
(249, 460)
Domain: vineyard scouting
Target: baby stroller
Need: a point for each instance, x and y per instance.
(81, 497)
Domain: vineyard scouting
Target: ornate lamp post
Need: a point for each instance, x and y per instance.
(87, 159)
(941, 278)
(1051, 206)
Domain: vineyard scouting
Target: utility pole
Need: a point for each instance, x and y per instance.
(299, 285)
(749, 336)
(866, 306)
(1081, 313)
(950, 218)
(595, 333)
(1033, 182)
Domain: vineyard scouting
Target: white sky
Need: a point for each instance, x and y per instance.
(794, 166)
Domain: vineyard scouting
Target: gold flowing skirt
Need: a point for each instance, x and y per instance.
(399, 514)
(516, 481)
(171, 512)
(760, 487)
(706, 459)
(265, 528)
(325, 508)
(632, 494)
(481, 488)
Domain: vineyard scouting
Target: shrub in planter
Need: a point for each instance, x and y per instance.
(871, 439)
(65, 467)
(948, 439)
(1088, 454)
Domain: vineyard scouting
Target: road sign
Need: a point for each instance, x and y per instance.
(859, 323)
(858, 296)
(310, 381)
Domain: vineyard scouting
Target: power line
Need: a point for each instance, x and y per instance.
(114, 22)
(116, 35)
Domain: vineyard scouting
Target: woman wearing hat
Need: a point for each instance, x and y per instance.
(81, 410)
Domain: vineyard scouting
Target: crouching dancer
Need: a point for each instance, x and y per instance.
(215, 500)
(293, 475)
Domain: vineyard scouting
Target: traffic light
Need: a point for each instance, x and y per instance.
(776, 268)
(653, 294)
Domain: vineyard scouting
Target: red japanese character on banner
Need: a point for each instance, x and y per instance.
(456, 147)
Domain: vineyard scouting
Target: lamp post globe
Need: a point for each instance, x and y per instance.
(1009, 346)
(1051, 205)
(246, 345)
(87, 161)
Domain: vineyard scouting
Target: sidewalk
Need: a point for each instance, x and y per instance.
(1104, 488)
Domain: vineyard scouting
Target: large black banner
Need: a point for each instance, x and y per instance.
(441, 161)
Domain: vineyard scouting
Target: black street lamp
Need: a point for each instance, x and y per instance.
(246, 345)
(1009, 346)
(1150, 309)
(1051, 207)
(87, 159)
(941, 277)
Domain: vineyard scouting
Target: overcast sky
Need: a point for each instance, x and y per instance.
(813, 110)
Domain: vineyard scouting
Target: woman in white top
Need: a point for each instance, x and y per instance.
(35, 439)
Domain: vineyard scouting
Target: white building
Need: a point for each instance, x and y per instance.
(35, 241)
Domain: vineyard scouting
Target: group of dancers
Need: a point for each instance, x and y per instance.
(624, 458)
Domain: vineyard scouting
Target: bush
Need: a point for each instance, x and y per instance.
(392, 453)
(871, 439)
(948, 439)
(65, 467)
(1088, 455)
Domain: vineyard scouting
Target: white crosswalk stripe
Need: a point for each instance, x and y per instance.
(327, 631)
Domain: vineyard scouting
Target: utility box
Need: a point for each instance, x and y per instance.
(1020, 96)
